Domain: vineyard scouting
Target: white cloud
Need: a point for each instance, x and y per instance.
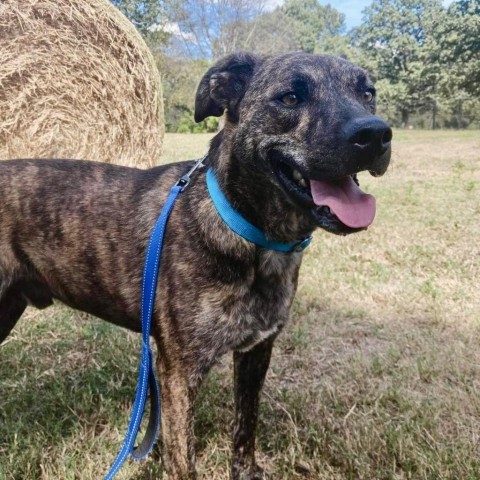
(175, 30)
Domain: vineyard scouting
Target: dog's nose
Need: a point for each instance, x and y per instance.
(368, 134)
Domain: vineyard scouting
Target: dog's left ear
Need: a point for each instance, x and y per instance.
(224, 85)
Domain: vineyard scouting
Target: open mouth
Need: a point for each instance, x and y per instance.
(339, 205)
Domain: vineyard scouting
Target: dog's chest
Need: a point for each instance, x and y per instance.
(262, 305)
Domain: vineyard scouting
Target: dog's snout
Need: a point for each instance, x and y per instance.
(370, 134)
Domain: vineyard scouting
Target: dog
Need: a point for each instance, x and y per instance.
(298, 128)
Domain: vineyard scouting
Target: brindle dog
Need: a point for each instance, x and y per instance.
(298, 128)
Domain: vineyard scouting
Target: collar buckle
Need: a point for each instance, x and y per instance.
(302, 245)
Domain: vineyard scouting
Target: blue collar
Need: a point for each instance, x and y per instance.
(241, 226)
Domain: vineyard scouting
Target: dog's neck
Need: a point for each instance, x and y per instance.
(251, 192)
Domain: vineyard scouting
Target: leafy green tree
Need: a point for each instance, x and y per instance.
(317, 23)
(458, 39)
(149, 18)
(397, 40)
(180, 78)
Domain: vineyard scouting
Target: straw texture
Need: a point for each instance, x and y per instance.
(77, 81)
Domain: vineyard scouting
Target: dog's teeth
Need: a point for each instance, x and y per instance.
(297, 175)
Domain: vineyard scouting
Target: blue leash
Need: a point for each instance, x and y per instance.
(147, 380)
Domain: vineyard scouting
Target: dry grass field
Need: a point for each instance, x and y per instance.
(376, 377)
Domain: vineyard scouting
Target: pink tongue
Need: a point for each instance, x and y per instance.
(353, 207)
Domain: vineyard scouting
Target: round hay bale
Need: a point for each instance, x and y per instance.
(77, 81)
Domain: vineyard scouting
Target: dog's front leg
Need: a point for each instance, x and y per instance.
(178, 446)
(250, 370)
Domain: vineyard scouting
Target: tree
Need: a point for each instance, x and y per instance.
(458, 37)
(180, 78)
(318, 23)
(149, 19)
(396, 38)
(210, 29)
(271, 33)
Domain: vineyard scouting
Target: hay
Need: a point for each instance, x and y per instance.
(76, 81)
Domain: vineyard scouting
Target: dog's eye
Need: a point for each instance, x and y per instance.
(368, 96)
(290, 99)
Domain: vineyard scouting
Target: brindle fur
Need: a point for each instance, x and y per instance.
(77, 231)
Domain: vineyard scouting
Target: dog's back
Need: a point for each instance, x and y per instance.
(47, 252)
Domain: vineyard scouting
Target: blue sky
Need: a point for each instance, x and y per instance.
(351, 8)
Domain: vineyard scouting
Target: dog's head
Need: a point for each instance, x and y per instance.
(309, 122)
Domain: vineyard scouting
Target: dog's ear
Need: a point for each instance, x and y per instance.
(224, 85)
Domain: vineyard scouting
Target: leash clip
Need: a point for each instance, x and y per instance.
(185, 180)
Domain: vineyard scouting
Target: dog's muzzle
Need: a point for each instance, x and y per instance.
(337, 205)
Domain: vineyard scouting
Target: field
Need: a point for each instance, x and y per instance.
(376, 377)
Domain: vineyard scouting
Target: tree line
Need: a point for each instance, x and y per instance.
(424, 55)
